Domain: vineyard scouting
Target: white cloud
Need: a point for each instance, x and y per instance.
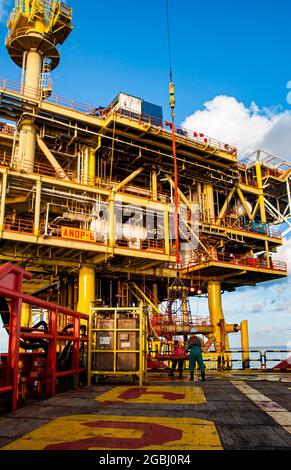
(247, 128)
(274, 330)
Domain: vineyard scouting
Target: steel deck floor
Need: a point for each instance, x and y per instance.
(242, 411)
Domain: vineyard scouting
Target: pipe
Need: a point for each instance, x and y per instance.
(57, 167)
(68, 195)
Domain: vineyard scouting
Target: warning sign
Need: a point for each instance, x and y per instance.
(78, 234)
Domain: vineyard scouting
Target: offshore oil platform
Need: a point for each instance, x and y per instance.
(111, 219)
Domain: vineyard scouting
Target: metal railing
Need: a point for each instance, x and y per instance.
(237, 260)
(235, 223)
(235, 360)
(274, 360)
(203, 141)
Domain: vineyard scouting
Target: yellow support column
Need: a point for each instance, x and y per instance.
(245, 344)
(32, 73)
(25, 151)
(216, 314)
(86, 289)
(26, 317)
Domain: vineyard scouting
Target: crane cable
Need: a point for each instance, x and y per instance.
(172, 106)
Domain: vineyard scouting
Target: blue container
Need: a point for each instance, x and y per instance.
(154, 111)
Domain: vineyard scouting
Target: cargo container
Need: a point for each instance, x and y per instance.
(154, 111)
(136, 108)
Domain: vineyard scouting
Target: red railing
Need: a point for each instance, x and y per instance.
(6, 129)
(202, 140)
(11, 278)
(19, 225)
(227, 258)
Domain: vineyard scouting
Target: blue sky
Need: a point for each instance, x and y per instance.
(231, 63)
(240, 48)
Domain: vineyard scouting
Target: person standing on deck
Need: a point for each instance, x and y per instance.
(178, 355)
(194, 346)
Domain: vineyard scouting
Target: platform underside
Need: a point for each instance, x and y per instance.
(237, 410)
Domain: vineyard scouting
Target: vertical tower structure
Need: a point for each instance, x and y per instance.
(36, 27)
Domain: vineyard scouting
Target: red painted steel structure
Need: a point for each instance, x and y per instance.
(11, 278)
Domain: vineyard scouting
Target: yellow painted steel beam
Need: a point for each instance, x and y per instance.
(261, 192)
(244, 203)
(127, 180)
(82, 246)
(256, 209)
(143, 296)
(56, 166)
(102, 258)
(39, 261)
(249, 189)
(225, 205)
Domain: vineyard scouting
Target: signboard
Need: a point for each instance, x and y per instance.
(77, 234)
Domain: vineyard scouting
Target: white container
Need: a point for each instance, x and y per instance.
(129, 103)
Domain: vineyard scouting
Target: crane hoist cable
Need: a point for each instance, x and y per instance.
(174, 149)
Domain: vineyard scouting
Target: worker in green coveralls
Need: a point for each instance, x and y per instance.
(194, 346)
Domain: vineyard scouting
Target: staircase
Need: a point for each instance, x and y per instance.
(200, 246)
(150, 306)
